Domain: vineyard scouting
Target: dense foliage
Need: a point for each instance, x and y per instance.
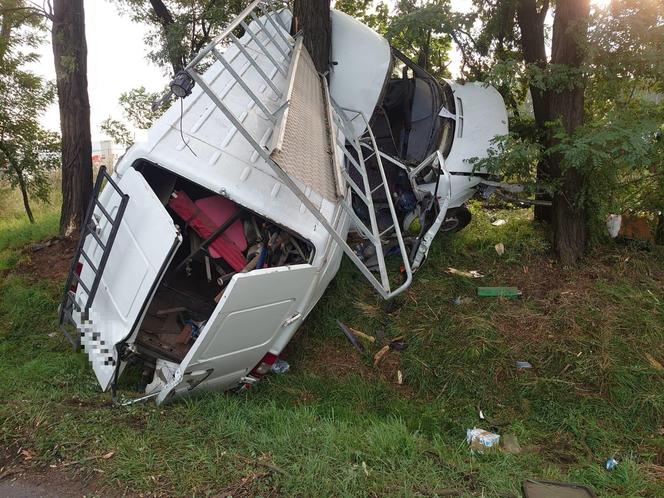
(619, 147)
(28, 152)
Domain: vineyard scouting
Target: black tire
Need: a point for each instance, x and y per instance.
(456, 220)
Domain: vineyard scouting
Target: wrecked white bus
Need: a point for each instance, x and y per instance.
(211, 242)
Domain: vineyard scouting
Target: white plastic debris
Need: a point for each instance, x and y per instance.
(467, 274)
(499, 222)
(280, 366)
(480, 440)
(613, 223)
(444, 113)
(164, 373)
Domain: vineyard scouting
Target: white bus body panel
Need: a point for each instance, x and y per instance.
(361, 62)
(480, 117)
(145, 243)
(253, 310)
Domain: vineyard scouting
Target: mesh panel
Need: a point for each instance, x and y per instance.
(306, 152)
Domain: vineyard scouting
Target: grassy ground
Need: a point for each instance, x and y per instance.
(15, 231)
(337, 426)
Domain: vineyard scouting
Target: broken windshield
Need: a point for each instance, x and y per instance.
(407, 122)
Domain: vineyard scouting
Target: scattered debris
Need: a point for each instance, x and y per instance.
(481, 414)
(52, 334)
(378, 357)
(510, 444)
(655, 364)
(467, 274)
(44, 245)
(280, 366)
(351, 336)
(169, 311)
(479, 439)
(511, 292)
(548, 489)
(399, 377)
(458, 301)
(500, 248)
(523, 365)
(362, 335)
(611, 464)
(398, 343)
(630, 227)
(27, 454)
(499, 222)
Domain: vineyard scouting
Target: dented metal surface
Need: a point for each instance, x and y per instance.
(241, 200)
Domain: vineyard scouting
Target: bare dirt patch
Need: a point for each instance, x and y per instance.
(23, 475)
(337, 359)
(47, 260)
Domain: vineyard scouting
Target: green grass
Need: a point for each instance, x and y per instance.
(335, 426)
(16, 231)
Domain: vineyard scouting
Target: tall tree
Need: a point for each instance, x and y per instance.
(180, 28)
(570, 27)
(312, 17)
(70, 58)
(531, 24)
(27, 151)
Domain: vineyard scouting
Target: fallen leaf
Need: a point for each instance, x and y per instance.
(362, 335)
(655, 364)
(499, 222)
(500, 248)
(398, 343)
(399, 377)
(27, 454)
(468, 274)
(378, 357)
(108, 455)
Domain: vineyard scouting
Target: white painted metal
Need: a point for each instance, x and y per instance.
(361, 62)
(481, 116)
(427, 239)
(146, 239)
(253, 310)
(231, 124)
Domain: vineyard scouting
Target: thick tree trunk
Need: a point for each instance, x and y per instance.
(569, 215)
(313, 18)
(531, 25)
(70, 57)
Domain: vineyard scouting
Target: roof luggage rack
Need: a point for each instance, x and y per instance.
(308, 163)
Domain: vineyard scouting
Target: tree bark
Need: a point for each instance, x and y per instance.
(11, 160)
(26, 201)
(166, 20)
(313, 18)
(70, 58)
(531, 26)
(659, 232)
(569, 215)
